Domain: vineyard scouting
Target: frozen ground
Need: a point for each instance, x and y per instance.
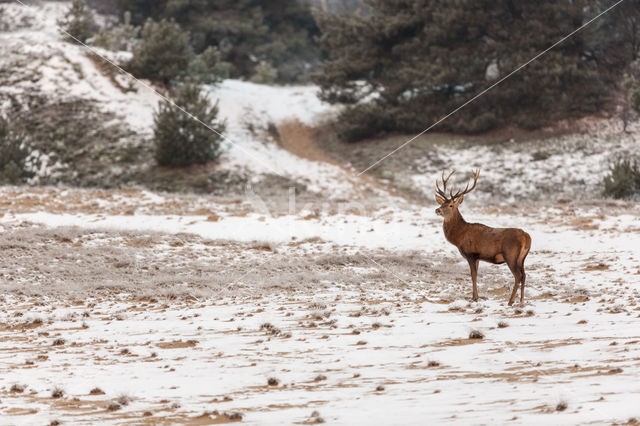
(129, 306)
(185, 319)
(36, 61)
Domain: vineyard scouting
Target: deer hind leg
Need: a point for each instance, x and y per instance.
(518, 278)
(473, 264)
(523, 255)
(524, 276)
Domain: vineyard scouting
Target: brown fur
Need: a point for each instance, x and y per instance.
(478, 242)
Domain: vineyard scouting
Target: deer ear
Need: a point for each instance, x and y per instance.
(439, 200)
(459, 200)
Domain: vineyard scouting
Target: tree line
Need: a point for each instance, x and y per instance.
(397, 65)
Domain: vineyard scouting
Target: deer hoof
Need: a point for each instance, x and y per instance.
(510, 302)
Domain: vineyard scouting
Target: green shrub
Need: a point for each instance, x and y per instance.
(264, 73)
(13, 155)
(478, 124)
(78, 23)
(120, 37)
(361, 121)
(540, 155)
(162, 53)
(623, 180)
(180, 140)
(208, 68)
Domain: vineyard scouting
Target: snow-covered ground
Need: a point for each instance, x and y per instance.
(153, 308)
(60, 70)
(333, 306)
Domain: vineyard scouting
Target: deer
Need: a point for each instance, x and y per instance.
(477, 242)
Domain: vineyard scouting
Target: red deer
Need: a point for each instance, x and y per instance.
(478, 242)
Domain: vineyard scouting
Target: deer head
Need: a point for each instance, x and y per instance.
(449, 204)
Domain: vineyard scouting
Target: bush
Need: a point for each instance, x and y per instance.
(361, 121)
(264, 73)
(180, 140)
(13, 155)
(162, 53)
(77, 24)
(120, 37)
(623, 180)
(208, 68)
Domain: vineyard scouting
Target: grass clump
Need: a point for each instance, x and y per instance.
(623, 180)
(57, 392)
(96, 391)
(17, 388)
(476, 334)
(562, 405)
(270, 329)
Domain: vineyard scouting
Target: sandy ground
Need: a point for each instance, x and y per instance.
(137, 316)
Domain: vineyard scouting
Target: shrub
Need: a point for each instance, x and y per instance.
(208, 68)
(77, 24)
(13, 155)
(180, 140)
(57, 392)
(623, 180)
(265, 73)
(120, 37)
(162, 53)
(361, 121)
(476, 334)
(478, 124)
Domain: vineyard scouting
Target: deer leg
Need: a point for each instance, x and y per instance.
(473, 264)
(524, 275)
(517, 277)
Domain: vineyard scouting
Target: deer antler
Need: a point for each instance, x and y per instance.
(443, 192)
(476, 175)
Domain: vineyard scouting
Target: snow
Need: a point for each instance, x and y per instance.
(65, 71)
(374, 330)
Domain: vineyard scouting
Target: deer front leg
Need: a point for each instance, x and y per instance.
(473, 264)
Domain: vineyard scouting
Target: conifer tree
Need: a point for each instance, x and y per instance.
(417, 60)
(13, 155)
(78, 23)
(179, 139)
(245, 32)
(162, 53)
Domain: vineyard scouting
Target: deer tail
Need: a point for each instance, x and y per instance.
(524, 249)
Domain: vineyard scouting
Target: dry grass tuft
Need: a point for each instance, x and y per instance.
(476, 334)
(96, 391)
(17, 388)
(270, 329)
(124, 399)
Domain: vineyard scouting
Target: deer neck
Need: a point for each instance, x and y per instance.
(454, 228)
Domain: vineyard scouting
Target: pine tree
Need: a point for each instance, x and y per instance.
(120, 37)
(162, 53)
(208, 67)
(179, 139)
(77, 24)
(245, 32)
(13, 155)
(417, 60)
